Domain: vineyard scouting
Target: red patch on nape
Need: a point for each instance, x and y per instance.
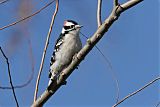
(65, 22)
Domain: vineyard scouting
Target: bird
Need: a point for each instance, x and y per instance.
(67, 45)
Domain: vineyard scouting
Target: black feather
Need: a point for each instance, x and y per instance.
(75, 23)
(59, 42)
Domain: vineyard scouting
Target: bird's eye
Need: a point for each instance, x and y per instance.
(66, 27)
(72, 26)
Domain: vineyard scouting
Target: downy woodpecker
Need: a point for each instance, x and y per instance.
(67, 45)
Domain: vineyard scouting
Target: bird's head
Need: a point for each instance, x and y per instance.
(70, 25)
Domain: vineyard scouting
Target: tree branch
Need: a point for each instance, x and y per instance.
(99, 21)
(27, 17)
(10, 78)
(84, 51)
(130, 95)
(45, 49)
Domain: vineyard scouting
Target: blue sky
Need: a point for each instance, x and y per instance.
(131, 45)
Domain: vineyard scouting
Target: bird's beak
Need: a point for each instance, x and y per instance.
(79, 26)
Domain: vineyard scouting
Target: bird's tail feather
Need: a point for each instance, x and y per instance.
(53, 78)
(51, 81)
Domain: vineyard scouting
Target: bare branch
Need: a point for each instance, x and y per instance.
(27, 17)
(45, 49)
(130, 4)
(112, 73)
(130, 95)
(10, 78)
(84, 51)
(30, 76)
(99, 21)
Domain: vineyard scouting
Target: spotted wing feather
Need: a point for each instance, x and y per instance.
(59, 42)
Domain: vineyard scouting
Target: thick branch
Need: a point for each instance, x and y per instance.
(85, 50)
(45, 49)
(10, 78)
(99, 6)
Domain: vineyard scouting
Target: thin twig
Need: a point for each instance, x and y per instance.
(115, 3)
(99, 6)
(112, 73)
(28, 81)
(10, 78)
(110, 69)
(22, 19)
(157, 104)
(45, 49)
(130, 95)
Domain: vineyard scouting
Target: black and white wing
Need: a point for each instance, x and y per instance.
(59, 42)
(57, 46)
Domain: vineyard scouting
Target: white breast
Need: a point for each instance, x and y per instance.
(71, 45)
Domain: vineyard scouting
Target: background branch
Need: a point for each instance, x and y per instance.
(27, 17)
(45, 49)
(84, 51)
(99, 21)
(112, 73)
(31, 75)
(130, 95)
(21, 85)
(10, 78)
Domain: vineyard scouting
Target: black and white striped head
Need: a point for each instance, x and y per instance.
(69, 26)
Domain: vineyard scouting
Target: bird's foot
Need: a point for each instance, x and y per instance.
(75, 56)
